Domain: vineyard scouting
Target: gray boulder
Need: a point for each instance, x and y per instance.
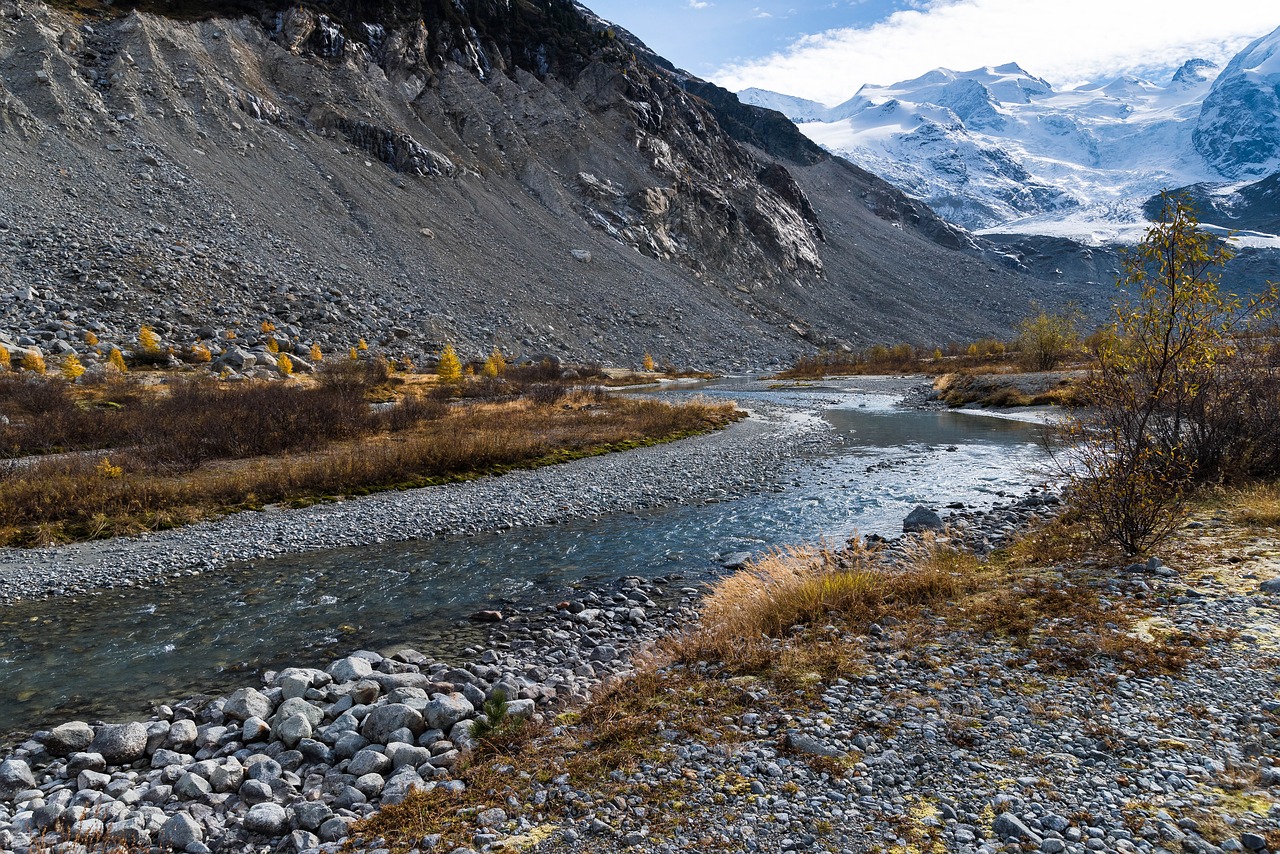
(1007, 825)
(445, 710)
(922, 519)
(248, 703)
(15, 776)
(384, 720)
(369, 761)
(309, 815)
(237, 359)
(181, 735)
(266, 819)
(254, 729)
(407, 754)
(520, 709)
(70, 737)
(120, 744)
(132, 830)
(349, 669)
(292, 729)
(299, 706)
(401, 785)
(180, 831)
(804, 743)
(228, 777)
(193, 787)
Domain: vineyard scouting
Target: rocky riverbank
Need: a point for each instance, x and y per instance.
(293, 764)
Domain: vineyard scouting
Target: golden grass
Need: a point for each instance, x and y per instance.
(744, 614)
(60, 500)
(963, 388)
(1256, 506)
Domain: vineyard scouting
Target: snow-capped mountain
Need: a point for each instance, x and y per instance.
(998, 149)
(1238, 131)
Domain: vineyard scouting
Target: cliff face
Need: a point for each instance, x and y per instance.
(415, 172)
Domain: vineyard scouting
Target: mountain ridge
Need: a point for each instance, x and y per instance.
(999, 151)
(424, 183)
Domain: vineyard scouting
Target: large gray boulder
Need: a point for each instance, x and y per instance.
(120, 744)
(922, 519)
(237, 359)
(267, 819)
(248, 703)
(401, 785)
(299, 706)
(15, 776)
(71, 737)
(384, 720)
(181, 735)
(369, 761)
(445, 710)
(180, 831)
(350, 669)
(292, 729)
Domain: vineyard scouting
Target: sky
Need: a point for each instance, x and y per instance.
(825, 49)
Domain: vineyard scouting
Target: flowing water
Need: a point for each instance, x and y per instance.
(116, 653)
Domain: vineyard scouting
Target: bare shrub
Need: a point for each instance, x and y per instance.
(1178, 396)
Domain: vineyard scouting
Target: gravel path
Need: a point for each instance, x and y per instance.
(743, 458)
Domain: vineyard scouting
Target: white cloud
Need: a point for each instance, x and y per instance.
(1064, 42)
(698, 4)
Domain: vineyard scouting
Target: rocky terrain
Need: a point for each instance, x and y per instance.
(957, 743)
(295, 762)
(525, 176)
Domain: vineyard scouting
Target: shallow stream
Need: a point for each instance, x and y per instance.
(115, 653)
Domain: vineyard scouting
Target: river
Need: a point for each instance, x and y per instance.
(115, 653)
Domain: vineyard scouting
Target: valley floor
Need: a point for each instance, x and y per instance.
(933, 738)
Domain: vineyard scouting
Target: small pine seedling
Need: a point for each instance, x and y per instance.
(285, 365)
(316, 355)
(116, 361)
(362, 345)
(273, 346)
(495, 713)
(200, 353)
(355, 354)
(648, 364)
(268, 326)
(90, 338)
(4, 359)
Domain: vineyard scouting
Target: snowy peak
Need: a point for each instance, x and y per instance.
(796, 109)
(999, 148)
(1193, 72)
(1238, 131)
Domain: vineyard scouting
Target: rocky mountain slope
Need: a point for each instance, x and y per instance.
(1000, 149)
(516, 174)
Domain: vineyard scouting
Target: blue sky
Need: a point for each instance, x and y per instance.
(826, 49)
(709, 35)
